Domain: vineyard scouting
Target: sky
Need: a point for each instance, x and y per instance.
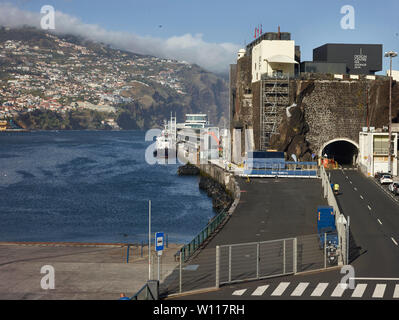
(210, 32)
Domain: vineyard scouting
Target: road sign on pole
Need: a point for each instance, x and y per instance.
(159, 246)
(159, 241)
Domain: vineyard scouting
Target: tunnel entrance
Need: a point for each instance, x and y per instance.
(342, 151)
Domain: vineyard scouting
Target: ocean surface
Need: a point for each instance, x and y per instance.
(93, 186)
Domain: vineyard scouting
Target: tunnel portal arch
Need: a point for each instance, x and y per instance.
(345, 151)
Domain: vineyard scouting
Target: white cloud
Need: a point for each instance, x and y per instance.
(191, 48)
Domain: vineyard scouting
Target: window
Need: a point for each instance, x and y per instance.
(381, 145)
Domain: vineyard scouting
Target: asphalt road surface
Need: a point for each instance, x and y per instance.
(374, 224)
(269, 209)
(374, 242)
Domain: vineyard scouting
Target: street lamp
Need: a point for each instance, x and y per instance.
(390, 54)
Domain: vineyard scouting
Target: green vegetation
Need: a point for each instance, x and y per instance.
(72, 120)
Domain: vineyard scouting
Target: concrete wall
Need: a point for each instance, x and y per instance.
(334, 109)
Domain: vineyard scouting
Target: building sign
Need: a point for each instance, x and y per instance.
(360, 60)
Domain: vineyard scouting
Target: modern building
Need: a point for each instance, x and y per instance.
(273, 57)
(395, 74)
(374, 151)
(359, 58)
(323, 67)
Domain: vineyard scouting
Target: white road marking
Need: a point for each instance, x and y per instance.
(355, 188)
(379, 291)
(260, 290)
(239, 292)
(339, 290)
(318, 291)
(369, 207)
(280, 289)
(396, 292)
(300, 289)
(394, 241)
(379, 221)
(359, 290)
(350, 182)
(361, 197)
(346, 177)
(377, 279)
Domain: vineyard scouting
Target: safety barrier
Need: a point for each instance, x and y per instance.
(340, 220)
(150, 291)
(255, 167)
(189, 249)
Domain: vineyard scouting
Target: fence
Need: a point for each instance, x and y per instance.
(189, 249)
(340, 221)
(199, 272)
(234, 263)
(259, 260)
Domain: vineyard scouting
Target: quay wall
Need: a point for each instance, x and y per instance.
(225, 179)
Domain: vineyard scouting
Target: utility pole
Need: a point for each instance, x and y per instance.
(149, 239)
(390, 54)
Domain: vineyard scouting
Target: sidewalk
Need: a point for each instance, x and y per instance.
(81, 272)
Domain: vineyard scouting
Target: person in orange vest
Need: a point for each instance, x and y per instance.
(123, 297)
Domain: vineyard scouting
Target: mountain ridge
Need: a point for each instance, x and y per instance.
(68, 69)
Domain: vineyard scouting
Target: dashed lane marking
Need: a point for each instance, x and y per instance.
(239, 292)
(260, 290)
(339, 290)
(280, 289)
(300, 289)
(379, 221)
(369, 207)
(361, 197)
(359, 290)
(394, 241)
(319, 290)
(379, 290)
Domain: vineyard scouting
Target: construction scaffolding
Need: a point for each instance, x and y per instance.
(274, 99)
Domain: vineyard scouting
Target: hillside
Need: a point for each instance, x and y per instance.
(43, 71)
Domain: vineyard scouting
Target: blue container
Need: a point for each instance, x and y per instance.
(325, 219)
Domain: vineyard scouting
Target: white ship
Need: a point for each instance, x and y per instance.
(166, 142)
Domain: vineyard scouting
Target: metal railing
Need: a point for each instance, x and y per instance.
(144, 293)
(256, 260)
(340, 220)
(189, 249)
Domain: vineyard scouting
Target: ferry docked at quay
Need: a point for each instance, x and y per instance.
(190, 141)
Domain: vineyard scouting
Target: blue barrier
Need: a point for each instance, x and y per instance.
(299, 173)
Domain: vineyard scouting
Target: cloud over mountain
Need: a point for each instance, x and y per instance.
(214, 57)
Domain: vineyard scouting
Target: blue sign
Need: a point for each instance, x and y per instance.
(159, 241)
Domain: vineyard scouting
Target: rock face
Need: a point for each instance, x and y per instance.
(188, 170)
(220, 198)
(292, 137)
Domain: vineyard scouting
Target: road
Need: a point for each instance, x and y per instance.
(374, 224)
(374, 219)
(269, 209)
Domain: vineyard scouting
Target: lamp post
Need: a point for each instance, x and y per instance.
(390, 54)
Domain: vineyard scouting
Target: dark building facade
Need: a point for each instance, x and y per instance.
(323, 67)
(359, 58)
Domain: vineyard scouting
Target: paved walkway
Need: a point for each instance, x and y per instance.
(81, 272)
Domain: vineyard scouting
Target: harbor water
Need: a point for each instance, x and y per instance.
(93, 186)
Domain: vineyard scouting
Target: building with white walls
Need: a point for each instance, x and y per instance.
(271, 57)
(374, 151)
(395, 74)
